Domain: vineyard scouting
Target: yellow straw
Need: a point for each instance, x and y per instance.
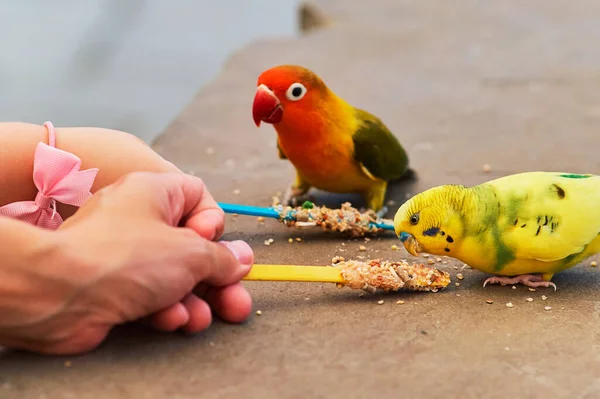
(315, 274)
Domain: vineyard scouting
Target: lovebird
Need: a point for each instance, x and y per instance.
(332, 145)
(522, 228)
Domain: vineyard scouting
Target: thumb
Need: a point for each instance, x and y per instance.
(217, 263)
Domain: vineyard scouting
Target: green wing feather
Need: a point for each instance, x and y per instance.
(377, 149)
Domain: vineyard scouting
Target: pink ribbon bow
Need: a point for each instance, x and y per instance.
(57, 177)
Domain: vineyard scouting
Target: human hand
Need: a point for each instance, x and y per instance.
(140, 249)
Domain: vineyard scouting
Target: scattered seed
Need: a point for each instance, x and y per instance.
(460, 276)
(260, 219)
(234, 215)
(230, 163)
(457, 294)
(426, 255)
(267, 242)
(455, 267)
(298, 239)
(337, 259)
(544, 297)
(391, 202)
(271, 240)
(487, 168)
(362, 248)
(400, 302)
(258, 312)
(367, 239)
(593, 264)
(531, 289)
(394, 247)
(457, 284)
(509, 304)
(236, 191)
(68, 363)
(514, 287)
(489, 301)
(430, 261)
(380, 302)
(438, 259)
(290, 240)
(548, 308)
(465, 266)
(529, 299)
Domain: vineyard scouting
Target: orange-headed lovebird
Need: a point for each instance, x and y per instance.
(333, 146)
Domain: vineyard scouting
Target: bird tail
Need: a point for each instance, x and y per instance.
(409, 175)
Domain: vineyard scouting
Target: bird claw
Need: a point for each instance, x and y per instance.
(295, 197)
(528, 280)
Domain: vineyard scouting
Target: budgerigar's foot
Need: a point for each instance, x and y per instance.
(296, 196)
(528, 280)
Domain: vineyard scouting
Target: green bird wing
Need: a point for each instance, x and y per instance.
(551, 217)
(377, 150)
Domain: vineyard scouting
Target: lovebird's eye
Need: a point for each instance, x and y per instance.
(414, 219)
(295, 92)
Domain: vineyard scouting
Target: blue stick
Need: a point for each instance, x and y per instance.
(249, 210)
(272, 213)
(384, 226)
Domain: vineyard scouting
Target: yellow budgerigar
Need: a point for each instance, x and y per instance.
(522, 228)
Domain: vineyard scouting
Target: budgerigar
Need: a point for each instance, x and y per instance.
(521, 228)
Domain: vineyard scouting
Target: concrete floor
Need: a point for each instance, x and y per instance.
(512, 84)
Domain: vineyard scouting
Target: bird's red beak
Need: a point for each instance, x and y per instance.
(266, 107)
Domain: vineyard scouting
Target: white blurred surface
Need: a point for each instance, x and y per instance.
(130, 65)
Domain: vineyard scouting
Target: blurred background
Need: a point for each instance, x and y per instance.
(130, 65)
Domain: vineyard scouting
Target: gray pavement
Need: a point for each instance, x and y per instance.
(512, 84)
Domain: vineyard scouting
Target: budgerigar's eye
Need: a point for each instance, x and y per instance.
(414, 219)
(295, 92)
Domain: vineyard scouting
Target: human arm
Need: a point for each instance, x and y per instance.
(113, 152)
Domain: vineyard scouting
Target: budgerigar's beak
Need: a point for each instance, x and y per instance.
(410, 243)
(266, 107)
